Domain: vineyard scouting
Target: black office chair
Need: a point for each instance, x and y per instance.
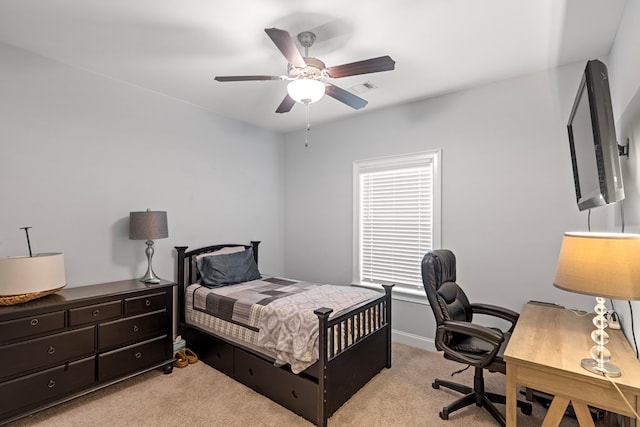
(460, 339)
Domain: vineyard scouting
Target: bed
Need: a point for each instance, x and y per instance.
(351, 345)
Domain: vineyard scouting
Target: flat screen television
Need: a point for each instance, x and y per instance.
(592, 139)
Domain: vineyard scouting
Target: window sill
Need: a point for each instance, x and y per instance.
(397, 293)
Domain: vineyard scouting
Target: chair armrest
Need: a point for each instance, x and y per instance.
(491, 336)
(496, 311)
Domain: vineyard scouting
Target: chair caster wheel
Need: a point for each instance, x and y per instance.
(526, 409)
(436, 386)
(444, 415)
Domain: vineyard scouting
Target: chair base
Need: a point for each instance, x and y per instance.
(478, 396)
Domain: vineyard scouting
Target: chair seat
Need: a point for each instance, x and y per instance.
(469, 344)
(476, 346)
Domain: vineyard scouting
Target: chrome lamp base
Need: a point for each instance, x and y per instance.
(607, 368)
(149, 277)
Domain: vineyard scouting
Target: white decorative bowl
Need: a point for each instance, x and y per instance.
(31, 277)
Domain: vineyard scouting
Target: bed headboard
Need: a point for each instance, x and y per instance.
(187, 272)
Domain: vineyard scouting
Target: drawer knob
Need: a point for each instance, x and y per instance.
(51, 384)
(34, 322)
(250, 371)
(51, 350)
(95, 312)
(138, 355)
(135, 328)
(147, 303)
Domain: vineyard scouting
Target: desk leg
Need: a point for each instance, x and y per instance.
(558, 408)
(583, 414)
(556, 411)
(512, 395)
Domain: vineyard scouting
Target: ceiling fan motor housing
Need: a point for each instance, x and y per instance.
(315, 69)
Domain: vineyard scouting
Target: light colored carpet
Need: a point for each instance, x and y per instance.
(201, 396)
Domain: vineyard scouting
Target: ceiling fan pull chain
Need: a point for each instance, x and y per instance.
(306, 138)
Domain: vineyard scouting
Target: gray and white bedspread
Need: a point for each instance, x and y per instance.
(276, 314)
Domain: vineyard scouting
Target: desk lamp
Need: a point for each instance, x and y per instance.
(148, 225)
(604, 265)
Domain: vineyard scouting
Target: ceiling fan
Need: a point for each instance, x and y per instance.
(308, 75)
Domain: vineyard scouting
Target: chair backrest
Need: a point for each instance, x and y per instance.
(448, 301)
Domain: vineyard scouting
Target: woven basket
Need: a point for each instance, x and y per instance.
(19, 299)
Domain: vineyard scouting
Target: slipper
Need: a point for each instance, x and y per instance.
(190, 355)
(181, 360)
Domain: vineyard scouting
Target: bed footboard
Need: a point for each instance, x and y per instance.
(359, 338)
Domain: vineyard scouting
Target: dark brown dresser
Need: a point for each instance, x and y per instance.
(68, 344)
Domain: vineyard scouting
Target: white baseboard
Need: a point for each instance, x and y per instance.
(413, 340)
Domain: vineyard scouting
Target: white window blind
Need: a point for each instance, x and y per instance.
(396, 218)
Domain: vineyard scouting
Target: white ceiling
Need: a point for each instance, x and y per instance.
(177, 47)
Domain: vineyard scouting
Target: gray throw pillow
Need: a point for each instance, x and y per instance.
(222, 270)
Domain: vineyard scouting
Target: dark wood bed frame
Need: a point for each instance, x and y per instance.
(320, 390)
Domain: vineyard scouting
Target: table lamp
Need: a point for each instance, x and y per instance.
(148, 225)
(604, 265)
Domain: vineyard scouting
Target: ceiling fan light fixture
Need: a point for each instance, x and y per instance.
(306, 91)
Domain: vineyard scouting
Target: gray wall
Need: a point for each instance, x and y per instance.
(79, 151)
(507, 186)
(507, 189)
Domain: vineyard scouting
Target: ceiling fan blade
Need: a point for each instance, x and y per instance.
(245, 78)
(286, 105)
(373, 65)
(283, 41)
(344, 96)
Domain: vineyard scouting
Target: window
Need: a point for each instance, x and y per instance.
(396, 219)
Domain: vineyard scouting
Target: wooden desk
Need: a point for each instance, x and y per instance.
(544, 353)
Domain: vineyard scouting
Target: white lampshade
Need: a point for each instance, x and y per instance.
(306, 90)
(27, 275)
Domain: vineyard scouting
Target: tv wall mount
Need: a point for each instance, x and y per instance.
(623, 150)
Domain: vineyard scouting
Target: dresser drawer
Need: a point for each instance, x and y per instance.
(145, 303)
(46, 351)
(123, 361)
(29, 391)
(95, 313)
(131, 329)
(29, 326)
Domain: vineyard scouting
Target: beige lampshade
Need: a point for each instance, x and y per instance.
(600, 264)
(26, 275)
